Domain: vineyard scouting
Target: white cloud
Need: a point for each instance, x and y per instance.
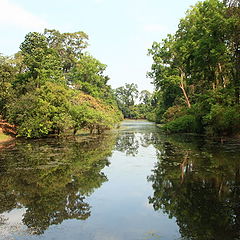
(154, 28)
(14, 15)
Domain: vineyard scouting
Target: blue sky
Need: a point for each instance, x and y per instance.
(120, 32)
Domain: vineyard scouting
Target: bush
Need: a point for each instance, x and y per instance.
(42, 112)
(151, 116)
(173, 113)
(183, 124)
(222, 120)
(93, 114)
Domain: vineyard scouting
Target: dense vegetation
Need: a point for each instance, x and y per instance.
(52, 86)
(132, 103)
(196, 71)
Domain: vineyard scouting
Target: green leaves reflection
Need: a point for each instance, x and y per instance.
(129, 142)
(52, 178)
(198, 183)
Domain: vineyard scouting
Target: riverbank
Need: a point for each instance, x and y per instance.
(222, 139)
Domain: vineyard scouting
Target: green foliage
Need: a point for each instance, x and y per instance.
(184, 124)
(34, 48)
(223, 120)
(126, 97)
(151, 116)
(69, 46)
(145, 97)
(88, 112)
(88, 76)
(47, 113)
(6, 78)
(42, 87)
(172, 113)
(199, 68)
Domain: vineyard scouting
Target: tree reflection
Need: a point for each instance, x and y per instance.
(199, 185)
(130, 142)
(52, 178)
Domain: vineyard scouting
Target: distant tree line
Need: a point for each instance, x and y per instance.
(53, 85)
(132, 103)
(196, 71)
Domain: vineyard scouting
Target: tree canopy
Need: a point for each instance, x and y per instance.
(196, 71)
(52, 86)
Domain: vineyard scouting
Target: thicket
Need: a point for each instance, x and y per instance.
(52, 86)
(196, 71)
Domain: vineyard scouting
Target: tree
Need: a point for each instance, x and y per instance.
(47, 113)
(88, 76)
(69, 46)
(51, 72)
(93, 114)
(233, 33)
(168, 70)
(6, 78)
(145, 97)
(34, 48)
(202, 59)
(126, 96)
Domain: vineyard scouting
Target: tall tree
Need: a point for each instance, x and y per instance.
(168, 70)
(233, 33)
(68, 45)
(203, 59)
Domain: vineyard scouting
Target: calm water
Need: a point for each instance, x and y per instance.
(130, 184)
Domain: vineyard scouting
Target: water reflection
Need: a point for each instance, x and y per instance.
(198, 183)
(134, 136)
(193, 181)
(128, 143)
(51, 179)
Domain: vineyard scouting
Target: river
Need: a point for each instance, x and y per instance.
(132, 183)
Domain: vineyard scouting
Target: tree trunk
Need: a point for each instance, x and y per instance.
(222, 75)
(181, 85)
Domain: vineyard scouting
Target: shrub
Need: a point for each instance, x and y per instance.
(151, 116)
(222, 120)
(173, 113)
(183, 124)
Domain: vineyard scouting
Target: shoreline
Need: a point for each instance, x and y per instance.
(222, 139)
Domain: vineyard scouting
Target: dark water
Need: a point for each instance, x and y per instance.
(130, 184)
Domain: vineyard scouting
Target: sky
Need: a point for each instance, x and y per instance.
(120, 31)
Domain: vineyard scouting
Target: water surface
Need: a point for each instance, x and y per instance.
(133, 183)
